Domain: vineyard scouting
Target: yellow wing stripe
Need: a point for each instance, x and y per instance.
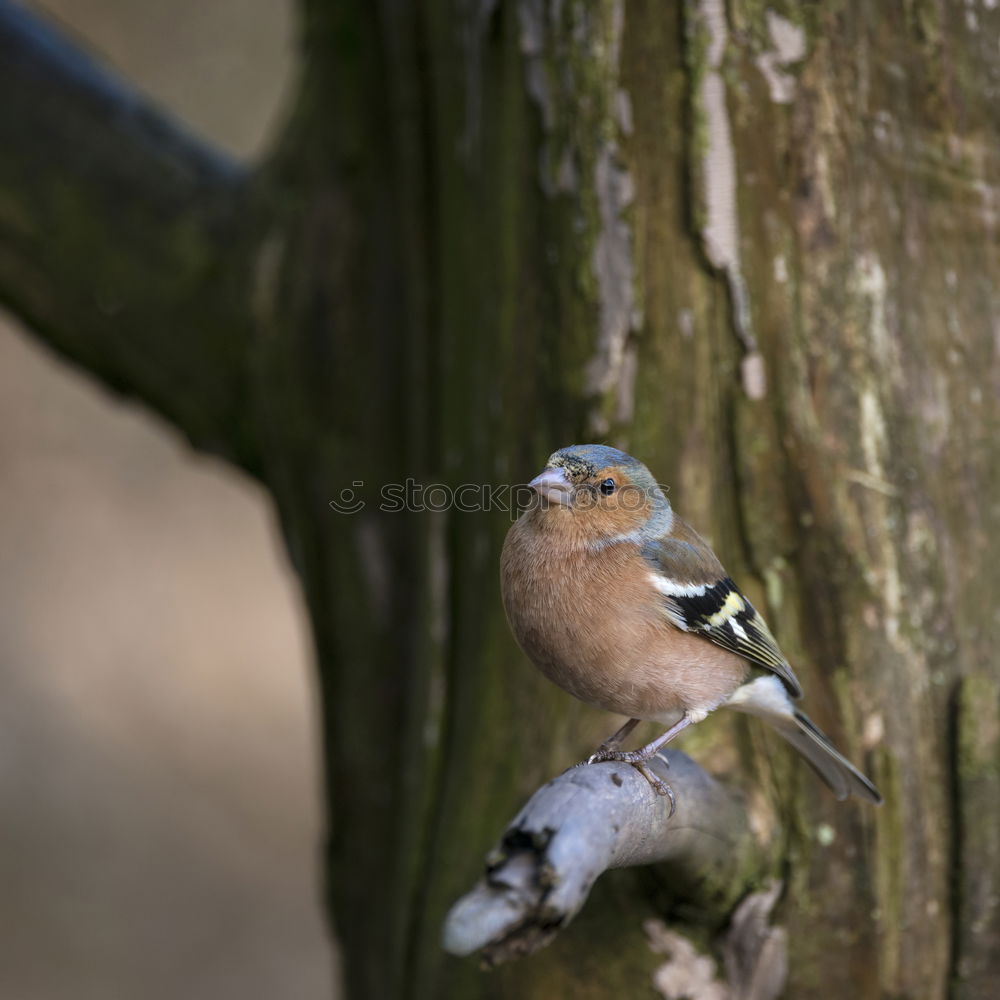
(731, 607)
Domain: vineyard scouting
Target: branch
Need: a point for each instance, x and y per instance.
(116, 233)
(584, 822)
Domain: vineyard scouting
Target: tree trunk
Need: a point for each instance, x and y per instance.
(758, 248)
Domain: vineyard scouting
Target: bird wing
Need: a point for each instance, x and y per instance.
(699, 597)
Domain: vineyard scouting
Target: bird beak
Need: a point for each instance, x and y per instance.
(553, 485)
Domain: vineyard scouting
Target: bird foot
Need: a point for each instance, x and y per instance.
(603, 752)
(658, 784)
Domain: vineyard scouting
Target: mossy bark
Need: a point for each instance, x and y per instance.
(482, 237)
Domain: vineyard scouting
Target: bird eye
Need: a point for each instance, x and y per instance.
(608, 487)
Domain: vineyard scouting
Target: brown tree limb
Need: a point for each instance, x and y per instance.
(591, 819)
(117, 235)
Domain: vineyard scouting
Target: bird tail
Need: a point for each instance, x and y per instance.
(824, 758)
(768, 699)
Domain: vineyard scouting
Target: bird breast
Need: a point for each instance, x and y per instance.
(591, 622)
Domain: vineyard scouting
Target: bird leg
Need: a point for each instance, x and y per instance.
(614, 742)
(604, 752)
(638, 758)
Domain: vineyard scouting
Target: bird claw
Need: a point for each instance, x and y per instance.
(658, 784)
(633, 757)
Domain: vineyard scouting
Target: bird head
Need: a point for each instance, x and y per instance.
(603, 491)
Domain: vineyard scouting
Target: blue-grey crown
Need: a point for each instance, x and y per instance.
(592, 457)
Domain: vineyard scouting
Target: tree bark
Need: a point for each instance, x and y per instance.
(118, 236)
(757, 247)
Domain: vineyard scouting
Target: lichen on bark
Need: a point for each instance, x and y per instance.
(572, 54)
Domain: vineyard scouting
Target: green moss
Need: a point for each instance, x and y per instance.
(580, 65)
(696, 45)
(978, 729)
(582, 82)
(925, 19)
(889, 864)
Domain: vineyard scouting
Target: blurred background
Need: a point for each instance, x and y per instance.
(160, 825)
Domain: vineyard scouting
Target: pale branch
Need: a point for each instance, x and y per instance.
(121, 235)
(586, 821)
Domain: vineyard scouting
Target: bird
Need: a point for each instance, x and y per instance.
(620, 602)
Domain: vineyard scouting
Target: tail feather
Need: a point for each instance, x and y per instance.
(768, 699)
(823, 757)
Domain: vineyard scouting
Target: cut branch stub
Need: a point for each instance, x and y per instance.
(584, 822)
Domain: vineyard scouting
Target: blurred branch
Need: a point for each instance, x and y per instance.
(119, 241)
(591, 819)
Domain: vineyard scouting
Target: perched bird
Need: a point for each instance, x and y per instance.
(625, 606)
